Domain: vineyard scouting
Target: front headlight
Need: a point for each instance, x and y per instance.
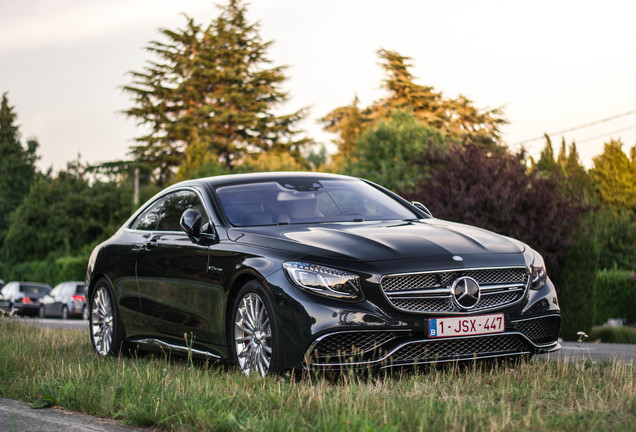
(538, 274)
(324, 280)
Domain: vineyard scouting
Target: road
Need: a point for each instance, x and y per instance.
(18, 416)
(574, 351)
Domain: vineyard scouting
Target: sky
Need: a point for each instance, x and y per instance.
(552, 65)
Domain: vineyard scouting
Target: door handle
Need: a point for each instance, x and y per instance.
(151, 244)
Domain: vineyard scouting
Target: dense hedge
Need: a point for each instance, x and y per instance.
(576, 288)
(52, 271)
(614, 294)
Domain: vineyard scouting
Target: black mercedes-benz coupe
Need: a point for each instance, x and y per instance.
(283, 271)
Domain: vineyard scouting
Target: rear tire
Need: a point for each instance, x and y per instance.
(85, 313)
(255, 343)
(106, 330)
(41, 312)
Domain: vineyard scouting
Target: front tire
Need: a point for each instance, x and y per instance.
(64, 312)
(254, 333)
(107, 332)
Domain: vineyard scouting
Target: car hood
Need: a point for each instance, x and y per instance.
(374, 241)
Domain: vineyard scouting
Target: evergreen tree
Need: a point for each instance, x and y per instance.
(457, 119)
(348, 122)
(614, 177)
(210, 98)
(546, 164)
(17, 165)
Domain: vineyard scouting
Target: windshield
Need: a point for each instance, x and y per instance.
(308, 201)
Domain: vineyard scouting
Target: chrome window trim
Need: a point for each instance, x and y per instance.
(138, 213)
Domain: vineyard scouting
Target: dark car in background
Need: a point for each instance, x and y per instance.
(66, 300)
(284, 271)
(22, 298)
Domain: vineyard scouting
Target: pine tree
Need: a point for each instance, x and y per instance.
(210, 97)
(614, 178)
(17, 165)
(546, 164)
(457, 119)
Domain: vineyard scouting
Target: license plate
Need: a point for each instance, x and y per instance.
(466, 326)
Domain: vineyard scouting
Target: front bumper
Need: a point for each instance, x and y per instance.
(384, 349)
(330, 335)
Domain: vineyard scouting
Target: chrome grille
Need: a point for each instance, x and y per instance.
(423, 304)
(431, 292)
(350, 344)
(457, 349)
(540, 330)
(497, 299)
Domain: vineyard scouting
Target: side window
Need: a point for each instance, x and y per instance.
(174, 206)
(147, 221)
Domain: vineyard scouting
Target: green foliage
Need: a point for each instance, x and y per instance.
(546, 161)
(60, 216)
(614, 294)
(616, 236)
(614, 177)
(387, 153)
(607, 334)
(17, 165)
(577, 288)
(51, 271)
(567, 169)
(209, 97)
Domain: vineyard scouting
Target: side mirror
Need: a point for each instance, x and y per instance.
(418, 205)
(191, 224)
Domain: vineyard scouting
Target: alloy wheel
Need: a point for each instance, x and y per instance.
(253, 335)
(102, 321)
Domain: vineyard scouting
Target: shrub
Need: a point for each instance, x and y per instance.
(614, 293)
(492, 189)
(70, 268)
(577, 288)
(50, 271)
(607, 334)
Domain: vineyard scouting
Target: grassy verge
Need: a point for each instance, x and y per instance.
(58, 367)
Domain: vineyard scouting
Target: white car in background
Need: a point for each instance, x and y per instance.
(66, 300)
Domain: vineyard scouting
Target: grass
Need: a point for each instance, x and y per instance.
(607, 334)
(56, 367)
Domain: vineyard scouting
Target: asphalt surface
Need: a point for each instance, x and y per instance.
(18, 416)
(573, 351)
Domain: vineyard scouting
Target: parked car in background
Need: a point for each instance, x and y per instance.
(283, 271)
(22, 298)
(1, 283)
(66, 300)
